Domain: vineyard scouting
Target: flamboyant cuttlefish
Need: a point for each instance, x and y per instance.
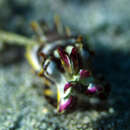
(63, 60)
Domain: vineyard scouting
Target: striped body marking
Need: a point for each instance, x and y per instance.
(63, 60)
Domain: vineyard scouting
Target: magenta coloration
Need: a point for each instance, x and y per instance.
(65, 105)
(92, 90)
(68, 85)
(64, 56)
(66, 61)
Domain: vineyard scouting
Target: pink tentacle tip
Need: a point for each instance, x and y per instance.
(64, 56)
(65, 105)
(67, 85)
(92, 89)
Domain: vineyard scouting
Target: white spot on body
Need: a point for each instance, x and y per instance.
(69, 49)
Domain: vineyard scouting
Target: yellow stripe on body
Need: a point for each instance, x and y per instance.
(48, 92)
(31, 60)
(58, 98)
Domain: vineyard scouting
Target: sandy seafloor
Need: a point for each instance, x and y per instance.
(106, 23)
